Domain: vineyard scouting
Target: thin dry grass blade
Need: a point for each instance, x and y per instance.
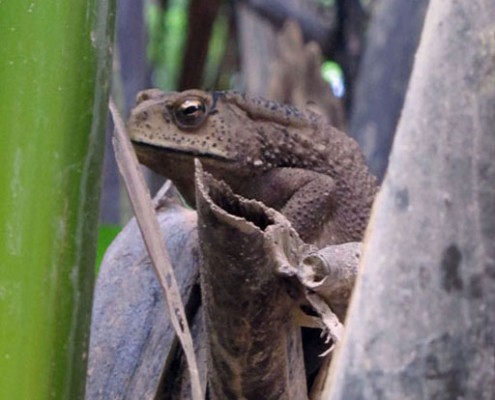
(145, 215)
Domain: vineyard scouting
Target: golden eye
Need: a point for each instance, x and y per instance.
(190, 113)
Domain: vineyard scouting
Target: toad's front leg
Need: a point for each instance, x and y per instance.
(306, 198)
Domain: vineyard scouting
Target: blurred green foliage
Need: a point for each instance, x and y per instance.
(333, 74)
(106, 234)
(326, 3)
(216, 50)
(167, 32)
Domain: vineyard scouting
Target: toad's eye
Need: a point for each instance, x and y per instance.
(190, 113)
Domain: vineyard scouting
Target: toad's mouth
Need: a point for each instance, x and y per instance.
(147, 149)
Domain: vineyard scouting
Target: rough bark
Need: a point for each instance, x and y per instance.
(296, 77)
(421, 323)
(257, 50)
(258, 24)
(339, 35)
(314, 28)
(384, 74)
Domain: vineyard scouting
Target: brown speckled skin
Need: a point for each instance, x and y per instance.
(290, 160)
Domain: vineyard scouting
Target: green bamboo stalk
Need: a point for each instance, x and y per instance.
(54, 81)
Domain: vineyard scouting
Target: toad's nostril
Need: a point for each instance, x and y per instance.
(148, 94)
(142, 96)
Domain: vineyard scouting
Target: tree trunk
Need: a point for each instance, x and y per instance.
(201, 17)
(314, 27)
(257, 49)
(421, 323)
(384, 75)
